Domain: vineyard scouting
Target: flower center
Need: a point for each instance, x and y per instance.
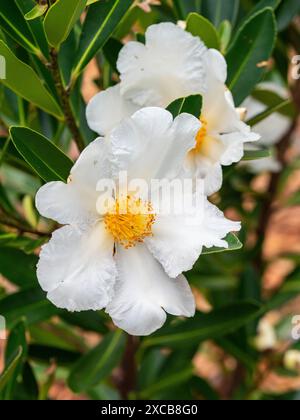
(201, 135)
(130, 221)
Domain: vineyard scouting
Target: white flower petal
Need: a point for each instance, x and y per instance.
(77, 269)
(75, 202)
(169, 66)
(216, 66)
(216, 227)
(144, 292)
(107, 109)
(150, 145)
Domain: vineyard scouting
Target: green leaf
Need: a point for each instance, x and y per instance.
(225, 31)
(257, 154)
(101, 21)
(167, 382)
(273, 103)
(35, 26)
(49, 162)
(218, 10)
(9, 371)
(202, 327)
(284, 106)
(286, 12)
(29, 304)
(233, 245)
(13, 22)
(97, 364)
(61, 18)
(16, 340)
(191, 105)
(37, 11)
(184, 7)
(199, 26)
(21, 274)
(254, 45)
(22, 79)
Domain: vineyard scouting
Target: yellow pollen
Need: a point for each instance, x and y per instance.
(201, 135)
(130, 221)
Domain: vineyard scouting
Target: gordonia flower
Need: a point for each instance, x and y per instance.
(127, 262)
(271, 129)
(174, 64)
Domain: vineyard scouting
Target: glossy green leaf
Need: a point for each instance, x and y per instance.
(61, 18)
(233, 241)
(167, 382)
(191, 105)
(254, 45)
(9, 371)
(29, 304)
(218, 10)
(257, 154)
(35, 26)
(97, 364)
(215, 324)
(286, 12)
(184, 7)
(225, 31)
(21, 274)
(282, 107)
(199, 26)
(49, 162)
(22, 79)
(37, 11)
(13, 22)
(16, 340)
(101, 21)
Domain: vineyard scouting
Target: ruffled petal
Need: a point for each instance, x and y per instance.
(144, 292)
(107, 109)
(75, 202)
(155, 74)
(77, 269)
(150, 145)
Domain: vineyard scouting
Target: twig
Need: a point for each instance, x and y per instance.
(127, 381)
(65, 99)
(20, 228)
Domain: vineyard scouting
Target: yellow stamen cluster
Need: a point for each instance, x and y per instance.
(130, 221)
(201, 135)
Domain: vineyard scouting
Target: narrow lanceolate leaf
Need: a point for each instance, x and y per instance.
(218, 10)
(13, 22)
(249, 53)
(281, 107)
(215, 324)
(49, 162)
(61, 18)
(37, 11)
(22, 79)
(257, 154)
(191, 105)
(233, 241)
(199, 26)
(21, 274)
(101, 21)
(97, 364)
(8, 373)
(29, 304)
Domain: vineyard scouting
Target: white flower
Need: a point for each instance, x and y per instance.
(174, 64)
(271, 129)
(220, 141)
(131, 263)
